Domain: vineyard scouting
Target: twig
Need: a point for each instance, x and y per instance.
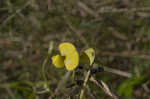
(61, 84)
(114, 71)
(87, 9)
(14, 14)
(128, 54)
(118, 72)
(116, 10)
(104, 86)
(78, 33)
(49, 4)
(118, 34)
(10, 93)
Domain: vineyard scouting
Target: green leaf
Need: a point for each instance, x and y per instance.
(126, 88)
(146, 3)
(18, 96)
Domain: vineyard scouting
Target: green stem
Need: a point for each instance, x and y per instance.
(43, 68)
(44, 65)
(84, 84)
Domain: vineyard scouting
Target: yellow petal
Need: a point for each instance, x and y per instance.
(66, 48)
(72, 61)
(58, 61)
(88, 56)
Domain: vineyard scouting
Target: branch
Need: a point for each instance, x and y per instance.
(130, 54)
(104, 86)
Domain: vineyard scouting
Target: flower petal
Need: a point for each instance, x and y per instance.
(72, 61)
(66, 48)
(58, 61)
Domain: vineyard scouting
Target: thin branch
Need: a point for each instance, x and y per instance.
(116, 10)
(111, 70)
(14, 14)
(114, 71)
(87, 9)
(78, 33)
(128, 54)
(118, 72)
(61, 84)
(104, 86)
(10, 92)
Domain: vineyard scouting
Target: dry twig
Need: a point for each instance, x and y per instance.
(128, 54)
(61, 84)
(118, 72)
(105, 87)
(87, 9)
(14, 14)
(116, 10)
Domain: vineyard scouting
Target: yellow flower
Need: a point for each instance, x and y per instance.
(69, 57)
(58, 61)
(66, 48)
(88, 56)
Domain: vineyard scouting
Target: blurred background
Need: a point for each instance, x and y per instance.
(119, 31)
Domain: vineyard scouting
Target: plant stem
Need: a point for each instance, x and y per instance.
(84, 84)
(44, 65)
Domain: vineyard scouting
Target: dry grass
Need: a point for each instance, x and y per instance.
(118, 30)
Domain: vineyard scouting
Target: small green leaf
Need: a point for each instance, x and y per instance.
(126, 88)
